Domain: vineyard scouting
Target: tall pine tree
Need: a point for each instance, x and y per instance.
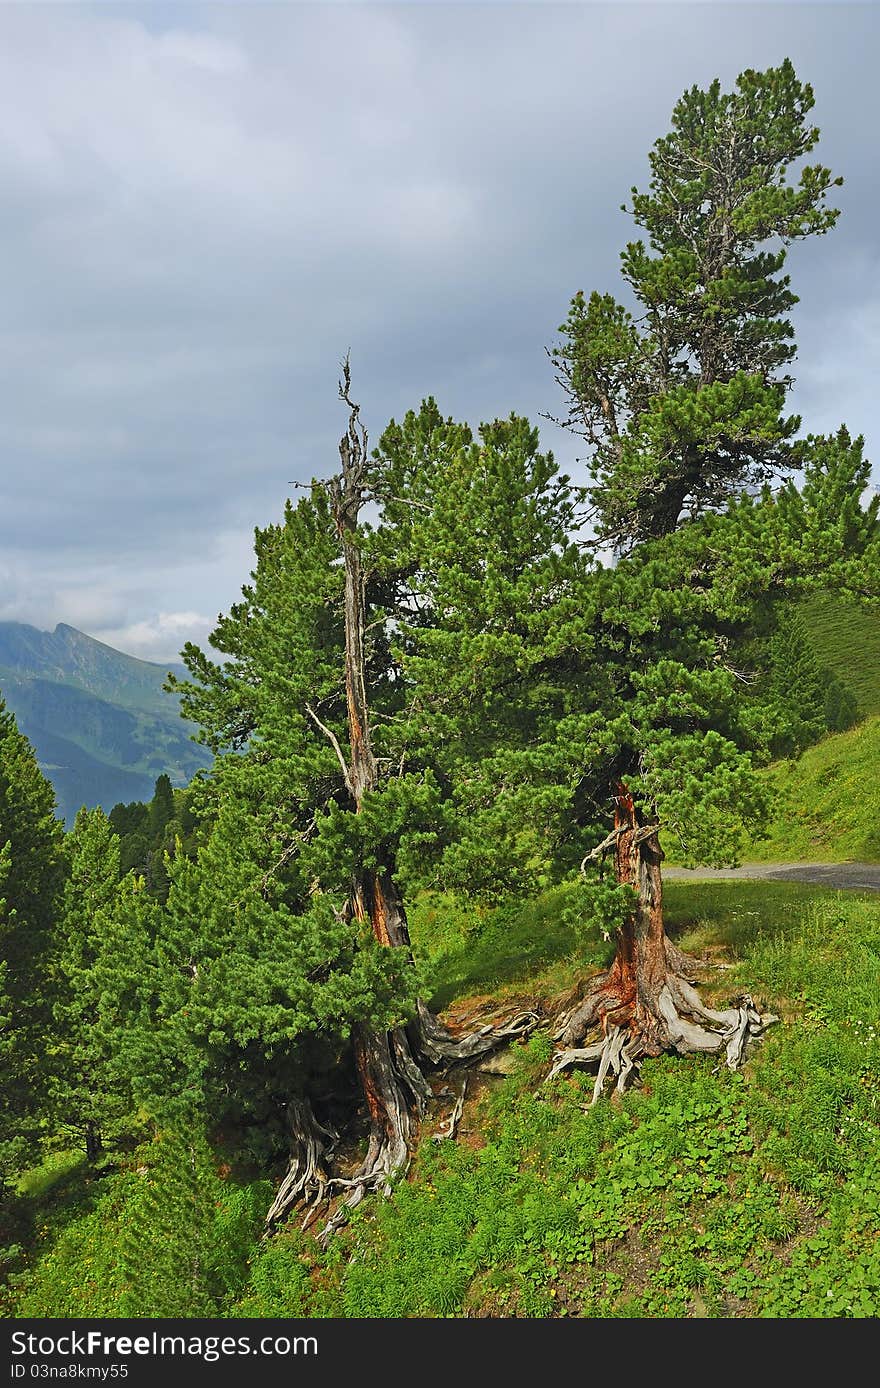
(31, 879)
(684, 410)
(90, 1097)
(683, 404)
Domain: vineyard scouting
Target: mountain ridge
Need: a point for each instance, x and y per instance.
(101, 724)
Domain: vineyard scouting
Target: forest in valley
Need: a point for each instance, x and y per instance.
(392, 1011)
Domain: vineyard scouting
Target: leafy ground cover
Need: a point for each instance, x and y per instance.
(701, 1194)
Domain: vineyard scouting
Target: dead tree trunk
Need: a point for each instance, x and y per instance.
(386, 1068)
(646, 1003)
(387, 1063)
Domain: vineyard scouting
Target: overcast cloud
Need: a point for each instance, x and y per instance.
(204, 206)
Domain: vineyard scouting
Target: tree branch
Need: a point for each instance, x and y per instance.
(334, 742)
(640, 835)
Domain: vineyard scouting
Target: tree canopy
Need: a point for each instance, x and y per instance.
(683, 400)
(435, 678)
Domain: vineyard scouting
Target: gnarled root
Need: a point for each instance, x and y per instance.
(306, 1181)
(617, 1053)
(397, 1095)
(674, 1019)
(438, 1045)
(394, 1087)
(447, 1128)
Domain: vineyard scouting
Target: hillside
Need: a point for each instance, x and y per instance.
(829, 805)
(846, 640)
(102, 725)
(829, 802)
(701, 1194)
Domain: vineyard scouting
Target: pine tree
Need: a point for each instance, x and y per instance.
(31, 877)
(841, 707)
(88, 1097)
(684, 413)
(161, 806)
(315, 669)
(797, 688)
(269, 936)
(683, 406)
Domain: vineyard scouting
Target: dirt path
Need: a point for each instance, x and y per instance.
(857, 877)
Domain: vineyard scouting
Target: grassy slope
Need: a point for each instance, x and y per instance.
(829, 802)
(829, 806)
(846, 639)
(703, 1194)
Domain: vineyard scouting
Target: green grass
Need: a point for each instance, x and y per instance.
(828, 806)
(846, 639)
(529, 946)
(472, 950)
(736, 916)
(702, 1194)
(59, 1170)
(829, 799)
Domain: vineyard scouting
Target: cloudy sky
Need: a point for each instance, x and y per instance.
(204, 206)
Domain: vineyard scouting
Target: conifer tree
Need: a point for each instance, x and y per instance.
(161, 806)
(88, 1095)
(31, 878)
(684, 411)
(276, 963)
(314, 668)
(797, 688)
(683, 405)
(841, 707)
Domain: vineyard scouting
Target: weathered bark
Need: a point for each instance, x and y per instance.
(94, 1144)
(388, 1063)
(395, 1094)
(311, 1147)
(645, 1004)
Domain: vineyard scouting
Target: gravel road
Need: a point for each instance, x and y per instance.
(857, 877)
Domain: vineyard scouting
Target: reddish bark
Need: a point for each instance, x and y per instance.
(370, 1081)
(640, 961)
(628, 994)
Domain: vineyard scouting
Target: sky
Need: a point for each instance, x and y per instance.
(205, 206)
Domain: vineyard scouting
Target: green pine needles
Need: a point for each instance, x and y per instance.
(433, 695)
(682, 404)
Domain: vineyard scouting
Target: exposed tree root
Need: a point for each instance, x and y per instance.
(675, 1020)
(454, 1118)
(438, 1045)
(646, 1004)
(397, 1095)
(311, 1147)
(388, 1074)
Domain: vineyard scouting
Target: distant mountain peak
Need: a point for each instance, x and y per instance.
(100, 721)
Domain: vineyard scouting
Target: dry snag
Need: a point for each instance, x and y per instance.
(389, 1064)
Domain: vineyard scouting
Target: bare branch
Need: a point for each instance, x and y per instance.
(452, 1121)
(640, 835)
(296, 843)
(334, 742)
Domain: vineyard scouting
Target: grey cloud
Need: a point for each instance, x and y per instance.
(205, 206)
